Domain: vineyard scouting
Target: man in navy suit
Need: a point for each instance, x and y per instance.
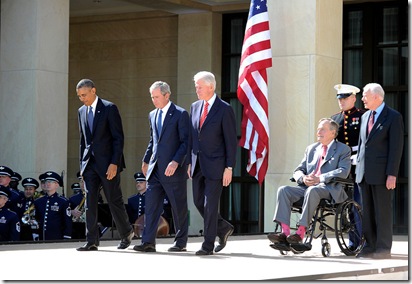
(165, 167)
(101, 161)
(213, 156)
(379, 156)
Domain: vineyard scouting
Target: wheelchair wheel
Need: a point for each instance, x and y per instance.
(348, 225)
(326, 249)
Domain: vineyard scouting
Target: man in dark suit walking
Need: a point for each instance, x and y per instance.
(164, 165)
(379, 157)
(101, 161)
(213, 156)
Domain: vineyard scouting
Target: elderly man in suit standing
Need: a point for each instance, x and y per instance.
(379, 157)
(323, 161)
(101, 161)
(165, 166)
(213, 151)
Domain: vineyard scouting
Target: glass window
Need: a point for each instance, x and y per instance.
(353, 34)
(388, 66)
(353, 67)
(404, 66)
(388, 28)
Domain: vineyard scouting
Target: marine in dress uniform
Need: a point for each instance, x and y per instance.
(53, 211)
(15, 200)
(349, 120)
(29, 225)
(9, 221)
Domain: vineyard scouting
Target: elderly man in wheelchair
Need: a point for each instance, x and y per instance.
(323, 163)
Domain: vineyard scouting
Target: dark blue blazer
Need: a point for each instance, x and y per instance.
(171, 144)
(215, 144)
(380, 154)
(107, 139)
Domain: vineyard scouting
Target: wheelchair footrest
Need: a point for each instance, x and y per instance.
(281, 246)
(301, 247)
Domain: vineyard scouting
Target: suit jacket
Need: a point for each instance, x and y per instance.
(380, 153)
(107, 140)
(336, 164)
(171, 144)
(215, 143)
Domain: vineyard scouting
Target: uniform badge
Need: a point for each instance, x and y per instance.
(69, 212)
(3, 220)
(18, 227)
(55, 207)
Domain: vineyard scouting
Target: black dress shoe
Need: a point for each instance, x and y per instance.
(223, 240)
(277, 238)
(294, 239)
(125, 242)
(381, 255)
(145, 247)
(204, 252)
(176, 249)
(364, 254)
(87, 247)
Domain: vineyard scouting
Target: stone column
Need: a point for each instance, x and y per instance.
(34, 85)
(306, 37)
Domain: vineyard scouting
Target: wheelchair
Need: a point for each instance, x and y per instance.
(347, 222)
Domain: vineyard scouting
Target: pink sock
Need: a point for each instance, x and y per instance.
(301, 231)
(285, 229)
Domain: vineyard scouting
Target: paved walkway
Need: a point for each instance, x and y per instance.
(248, 258)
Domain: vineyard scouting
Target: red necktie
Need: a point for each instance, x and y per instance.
(204, 114)
(320, 160)
(371, 122)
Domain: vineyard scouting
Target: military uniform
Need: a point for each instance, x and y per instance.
(53, 213)
(15, 198)
(9, 221)
(135, 206)
(29, 229)
(79, 225)
(349, 126)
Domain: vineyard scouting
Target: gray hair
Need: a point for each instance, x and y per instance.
(375, 88)
(207, 77)
(162, 86)
(85, 83)
(333, 125)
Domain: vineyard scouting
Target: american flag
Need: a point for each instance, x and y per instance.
(252, 89)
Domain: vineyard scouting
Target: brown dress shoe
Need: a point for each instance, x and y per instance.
(277, 238)
(294, 239)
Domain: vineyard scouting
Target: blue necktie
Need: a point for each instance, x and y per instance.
(90, 118)
(159, 122)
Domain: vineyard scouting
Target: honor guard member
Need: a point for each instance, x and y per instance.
(14, 183)
(77, 206)
(349, 120)
(42, 179)
(53, 210)
(29, 225)
(9, 221)
(15, 200)
(136, 203)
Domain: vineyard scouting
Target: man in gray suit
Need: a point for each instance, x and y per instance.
(379, 157)
(322, 161)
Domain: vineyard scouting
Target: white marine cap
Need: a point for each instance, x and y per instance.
(345, 90)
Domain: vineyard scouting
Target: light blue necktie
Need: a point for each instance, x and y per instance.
(159, 122)
(90, 118)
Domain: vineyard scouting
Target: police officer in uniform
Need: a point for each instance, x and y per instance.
(15, 200)
(136, 203)
(53, 210)
(29, 225)
(349, 120)
(9, 221)
(42, 178)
